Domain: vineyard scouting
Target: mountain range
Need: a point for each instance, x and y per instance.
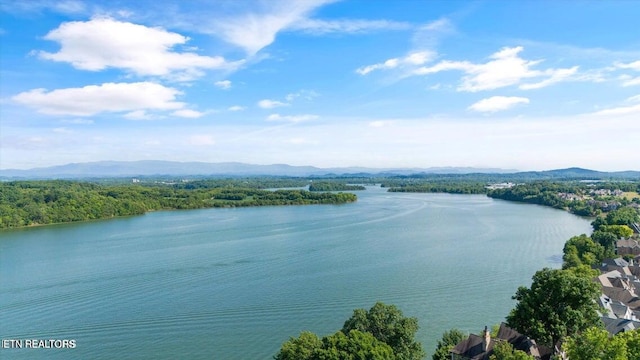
(146, 168)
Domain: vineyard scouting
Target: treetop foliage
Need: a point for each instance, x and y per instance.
(387, 324)
(379, 333)
(559, 303)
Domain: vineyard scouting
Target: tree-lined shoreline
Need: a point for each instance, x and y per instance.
(45, 202)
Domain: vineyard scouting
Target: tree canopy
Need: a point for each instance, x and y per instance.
(448, 341)
(559, 303)
(355, 345)
(381, 333)
(387, 324)
(596, 344)
(581, 250)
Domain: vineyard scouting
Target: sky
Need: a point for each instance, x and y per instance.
(526, 85)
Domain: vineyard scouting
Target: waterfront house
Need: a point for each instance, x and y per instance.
(477, 347)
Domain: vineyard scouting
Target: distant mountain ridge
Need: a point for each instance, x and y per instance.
(103, 169)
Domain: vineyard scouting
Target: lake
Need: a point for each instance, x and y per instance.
(237, 283)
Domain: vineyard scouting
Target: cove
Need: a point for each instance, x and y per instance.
(236, 283)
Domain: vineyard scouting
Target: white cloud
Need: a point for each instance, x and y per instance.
(188, 113)
(107, 43)
(505, 68)
(498, 103)
(631, 81)
(108, 97)
(632, 65)
(555, 76)
(426, 37)
(270, 104)
(138, 115)
(60, 6)
(320, 27)
(623, 110)
(258, 29)
(304, 94)
(291, 118)
(223, 84)
(201, 140)
(414, 58)
(429, 35)
(635, 98)
(236, 108)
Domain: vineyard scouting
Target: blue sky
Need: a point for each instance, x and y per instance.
(528, 85)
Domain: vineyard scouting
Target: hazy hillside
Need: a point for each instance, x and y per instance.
(172, 168)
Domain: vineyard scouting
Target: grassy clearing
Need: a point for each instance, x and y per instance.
(630, 195)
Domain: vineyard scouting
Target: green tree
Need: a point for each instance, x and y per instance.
(559, 303)
(595, 344)
(503, 350)
(448, 341)
(605, 238)
(623, 216)
(632, 339)
(387, 324)
(303, 347)
(356, 345)
(584, 249)
(620, 231)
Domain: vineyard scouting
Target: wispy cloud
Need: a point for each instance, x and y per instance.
(108, 97)
(303, 94)
(188, 113)
(60, 6)
(103, 43)
(429, 35)
(138, 115)
(632, 65)
(634, 99)
(236, 108)
(623, 110)
(505, 68)
(270, 104)
(291, 118)
(257, 29)
(629, 81)
(497, 103)
(223, 84)
(353, 26)
(412, 59)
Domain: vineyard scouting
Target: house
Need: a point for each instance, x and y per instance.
(615, 326)
(624, 296)
(627, 247)
(477, 347)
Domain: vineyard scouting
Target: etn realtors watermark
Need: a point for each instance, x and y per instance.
(38, 344)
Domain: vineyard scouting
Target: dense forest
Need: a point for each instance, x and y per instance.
(451, 187)
(27, 203)
(334, 186)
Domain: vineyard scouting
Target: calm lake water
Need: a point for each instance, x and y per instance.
(236, 283)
